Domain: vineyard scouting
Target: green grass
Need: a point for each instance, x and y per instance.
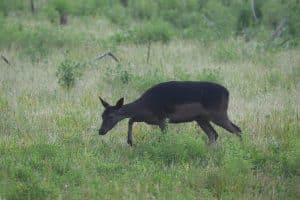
(49, 142)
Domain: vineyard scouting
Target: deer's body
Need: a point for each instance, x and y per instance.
(175, 102)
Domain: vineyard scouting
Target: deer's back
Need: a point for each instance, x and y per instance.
(165, 96)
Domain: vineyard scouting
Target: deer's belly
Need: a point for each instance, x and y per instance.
(187, 113)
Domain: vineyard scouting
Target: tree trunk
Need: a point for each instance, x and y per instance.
(32, 6)
(63, 18)
(124, 2)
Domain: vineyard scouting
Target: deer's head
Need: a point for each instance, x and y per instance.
(110, 116)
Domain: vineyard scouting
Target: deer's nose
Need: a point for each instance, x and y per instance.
(101, 131)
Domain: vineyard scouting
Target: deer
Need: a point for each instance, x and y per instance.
(174, 102)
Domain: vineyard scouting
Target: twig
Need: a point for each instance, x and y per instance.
(108, 53)
(253, 6)
(148, 51)
(279, 30)
(5, 59)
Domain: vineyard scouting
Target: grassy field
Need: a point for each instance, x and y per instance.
(49, 142)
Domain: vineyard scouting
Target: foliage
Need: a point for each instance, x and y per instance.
(62, 6)
(35, 42)
(204, 20)
(7, 6)
(67, 73)
(152, 31)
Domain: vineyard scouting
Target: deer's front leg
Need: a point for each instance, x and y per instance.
(129, 136)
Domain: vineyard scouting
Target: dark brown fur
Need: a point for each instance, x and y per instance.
(175, 102)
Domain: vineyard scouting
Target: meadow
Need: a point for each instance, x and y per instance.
(49, 142)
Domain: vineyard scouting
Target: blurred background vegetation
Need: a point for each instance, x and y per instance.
(274, 23)
(50, 112)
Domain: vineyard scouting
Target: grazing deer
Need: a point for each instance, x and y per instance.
(175, 102)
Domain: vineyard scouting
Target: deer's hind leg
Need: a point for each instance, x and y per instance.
(224, 122)
(208, 129)
(129, 133)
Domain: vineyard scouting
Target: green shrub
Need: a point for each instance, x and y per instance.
(34, 42)
(51, 13)
(153, 31)
(143, 9)
(6, 6)
(117, 14)
(62, 6)
(90, 7)
(119, 75)
(181, 14)
(67, 73)
(205, 20)
(222, 19)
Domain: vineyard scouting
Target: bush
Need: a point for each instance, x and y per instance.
(62, 6)
(143, 9)
(7, 6)
(117, 14)
(181, 14)
(153, 31)
(204, 20)
(67, 73)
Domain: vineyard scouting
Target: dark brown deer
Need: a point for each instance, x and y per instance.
(175, 102)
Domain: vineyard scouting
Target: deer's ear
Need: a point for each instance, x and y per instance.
(120, 103)
(104, 103)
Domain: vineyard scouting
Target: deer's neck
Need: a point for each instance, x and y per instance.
(131, 109)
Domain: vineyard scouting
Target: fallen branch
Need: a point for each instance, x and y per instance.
(98, 57)
(5, 59)
(108, 53)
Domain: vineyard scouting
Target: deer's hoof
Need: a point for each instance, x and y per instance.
(129, 142)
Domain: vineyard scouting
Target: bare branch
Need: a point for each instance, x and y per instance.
(5, 59)
(278, 32)
(108, 53)
(253, 10)
(280, 29)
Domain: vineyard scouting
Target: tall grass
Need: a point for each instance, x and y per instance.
(49, 144)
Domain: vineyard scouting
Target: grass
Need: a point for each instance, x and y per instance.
(50, 148)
